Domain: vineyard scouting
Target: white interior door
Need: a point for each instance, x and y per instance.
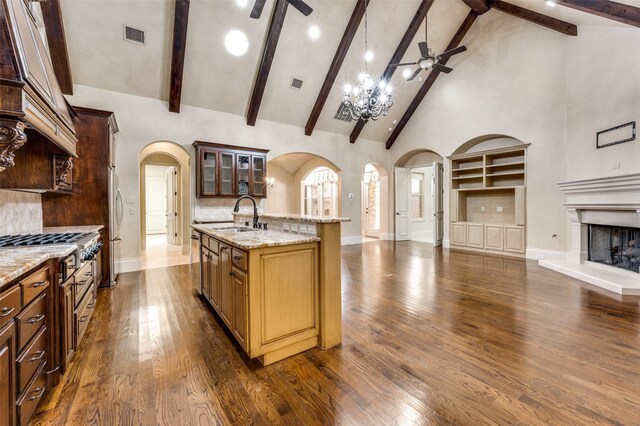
(156, 204)
(172, 205)
(372, 209)
(403, 212)
(437, 195)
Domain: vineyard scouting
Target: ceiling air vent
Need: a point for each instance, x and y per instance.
(340, 116)
(133, 35)
(296, 84)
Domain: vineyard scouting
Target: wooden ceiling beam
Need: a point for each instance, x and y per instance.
(535, 17)
(336, 64)
(268, 53)
(404, 44)
(431, 78)
(620, 12)
(478, 6)
(52, 16)
(180, 22)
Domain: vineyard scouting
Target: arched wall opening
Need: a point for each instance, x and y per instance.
(287, 173)
(375, 201)
(419, 197)
(166, 153)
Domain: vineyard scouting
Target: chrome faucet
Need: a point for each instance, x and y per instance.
(236, 209)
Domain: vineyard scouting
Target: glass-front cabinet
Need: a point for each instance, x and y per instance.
(230, 171)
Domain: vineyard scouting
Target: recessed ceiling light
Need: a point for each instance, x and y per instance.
(406, 73)
(242, 3)
(236, 42)
(314, 32)
(368, 56)
(551, 3)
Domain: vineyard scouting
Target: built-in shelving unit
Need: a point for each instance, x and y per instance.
(488, 200)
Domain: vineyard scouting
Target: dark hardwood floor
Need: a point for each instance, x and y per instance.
(430, 337)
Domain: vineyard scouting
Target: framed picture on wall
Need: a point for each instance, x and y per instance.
(615, 135)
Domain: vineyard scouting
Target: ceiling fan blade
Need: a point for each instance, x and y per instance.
(404, 64)
(257, 9)
(415, 73)
(442, 68)
(424, 48)
(304, 8)
(449, 53)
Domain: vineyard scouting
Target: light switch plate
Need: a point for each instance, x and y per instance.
(294, 227)
(311, 229)
(131, 200)
(285, 226)
(302, 228)
(132, 211)
(499, 209)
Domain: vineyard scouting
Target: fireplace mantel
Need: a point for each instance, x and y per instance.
(611, 201)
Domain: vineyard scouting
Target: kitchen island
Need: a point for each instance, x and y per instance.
(278, 292)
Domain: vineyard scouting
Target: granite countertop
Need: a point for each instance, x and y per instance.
(298, 217)
(15, 261)
(255, 239)
(67, 229)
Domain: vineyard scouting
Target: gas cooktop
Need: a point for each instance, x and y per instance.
(40, 239)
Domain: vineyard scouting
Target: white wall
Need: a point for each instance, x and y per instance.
(604, 91)
(511, 81)
(144, 120)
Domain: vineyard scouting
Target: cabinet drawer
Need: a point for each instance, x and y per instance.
(32, 358)
(34, 284)
(239, 259)
(83, 315)
(9, 305)
(210, 243)
(30, 320)
(28, 401)
(83, 281)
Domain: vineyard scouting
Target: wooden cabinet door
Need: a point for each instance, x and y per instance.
(226, 302)
(208, 173)
(8, 375)
(214, 281)
(475, 235)
(459, 234)
(226, 173)
(493, 239)
(68, 323)
(514, 239)
(258, 175)
(243, 173)
(239, 295)
(206, 273)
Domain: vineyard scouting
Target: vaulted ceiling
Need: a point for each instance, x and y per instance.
(214, 79)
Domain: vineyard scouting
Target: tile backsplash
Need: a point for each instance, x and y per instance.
(213, 209)
(20, 213)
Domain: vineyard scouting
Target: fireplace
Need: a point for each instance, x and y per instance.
(615, 246)
(605, 233)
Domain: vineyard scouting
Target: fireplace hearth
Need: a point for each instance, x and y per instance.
(615, 246)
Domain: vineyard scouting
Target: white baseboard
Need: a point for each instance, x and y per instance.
(388, 236)
(129, 265)
(541, 254)
(446, 243)
(348, 241)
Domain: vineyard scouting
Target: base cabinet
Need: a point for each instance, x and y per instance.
(8, 375)
(267, 297)
(490, 237)
(459, 234)
(493, 238)
(475, 235)
(514, 239)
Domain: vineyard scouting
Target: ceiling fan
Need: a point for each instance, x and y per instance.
(430, 60)
(304, 8)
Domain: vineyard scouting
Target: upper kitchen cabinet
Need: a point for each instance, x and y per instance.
(30, 96)
(230, 171)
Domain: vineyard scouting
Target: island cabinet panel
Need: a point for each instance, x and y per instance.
(214, 280)
(240, 311)
(226, 296)
(206, 271)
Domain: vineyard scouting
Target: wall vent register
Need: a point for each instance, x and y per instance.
(296, 84)
(133, 35)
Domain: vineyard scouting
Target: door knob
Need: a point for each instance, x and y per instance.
(397, 213)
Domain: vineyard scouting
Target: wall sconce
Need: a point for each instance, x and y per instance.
(270, 181)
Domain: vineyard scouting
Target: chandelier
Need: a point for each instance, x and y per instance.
(368, 99)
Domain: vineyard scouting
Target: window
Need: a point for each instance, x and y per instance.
(320, 193)
(417, 194)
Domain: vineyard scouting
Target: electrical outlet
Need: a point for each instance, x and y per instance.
(482, 209)
(499, 209)
(616, 166)
(132, 211)
(131, 200)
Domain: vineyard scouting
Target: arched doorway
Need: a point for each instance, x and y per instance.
(164, 204)
(419, 197)
(297, 179)
(375, 190)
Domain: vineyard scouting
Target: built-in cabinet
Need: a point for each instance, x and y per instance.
(488, 200)
(267, 297)
(230, 171)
